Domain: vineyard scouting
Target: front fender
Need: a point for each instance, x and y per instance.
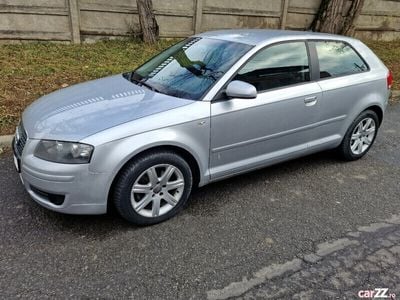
(192, 137)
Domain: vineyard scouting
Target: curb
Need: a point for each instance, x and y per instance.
(6, 140)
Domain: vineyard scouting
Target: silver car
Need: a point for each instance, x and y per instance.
(214, 105)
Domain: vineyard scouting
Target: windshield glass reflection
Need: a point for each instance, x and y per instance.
(189, 68)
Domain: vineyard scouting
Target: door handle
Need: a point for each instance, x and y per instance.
(310, 101)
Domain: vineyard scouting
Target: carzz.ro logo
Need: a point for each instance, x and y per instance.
(378, 293)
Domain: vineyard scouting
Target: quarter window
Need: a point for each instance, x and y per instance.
(337, 59)
(277, 66)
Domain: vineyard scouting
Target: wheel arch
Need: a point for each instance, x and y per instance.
(378, 110)
(184, 153)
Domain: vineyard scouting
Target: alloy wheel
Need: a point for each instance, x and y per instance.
(363, 135)
(157, 190)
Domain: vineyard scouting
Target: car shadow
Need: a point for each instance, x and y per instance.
(207, 200)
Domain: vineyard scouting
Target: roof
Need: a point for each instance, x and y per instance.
(257, 36)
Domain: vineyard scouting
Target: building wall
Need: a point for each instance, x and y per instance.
(86, 20)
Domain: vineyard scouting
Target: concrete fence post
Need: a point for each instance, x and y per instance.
(74, 21)
(198, 15)
(285, 6)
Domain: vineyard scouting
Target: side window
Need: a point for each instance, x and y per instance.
(277, 66)
(337, 59)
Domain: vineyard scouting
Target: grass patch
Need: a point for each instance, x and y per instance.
(29, 71)
(389, 53)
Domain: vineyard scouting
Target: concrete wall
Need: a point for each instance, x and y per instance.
(85, 20)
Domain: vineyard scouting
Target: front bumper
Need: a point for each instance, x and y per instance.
(64, 188)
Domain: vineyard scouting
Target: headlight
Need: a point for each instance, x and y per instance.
(64, 152)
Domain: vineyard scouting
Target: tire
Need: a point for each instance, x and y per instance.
(163, 182)
(357, 142)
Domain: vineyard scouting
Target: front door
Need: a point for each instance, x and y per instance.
(249, 133)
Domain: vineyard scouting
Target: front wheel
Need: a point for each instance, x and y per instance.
(153, 188)
(360, 136)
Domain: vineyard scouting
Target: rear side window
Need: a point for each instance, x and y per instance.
(277, 66)
(338, 59)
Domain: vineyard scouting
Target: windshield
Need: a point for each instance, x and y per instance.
(189, 68)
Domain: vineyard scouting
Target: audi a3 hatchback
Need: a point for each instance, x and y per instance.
(212, 106)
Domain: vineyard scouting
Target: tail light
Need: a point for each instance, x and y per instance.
(389, 80)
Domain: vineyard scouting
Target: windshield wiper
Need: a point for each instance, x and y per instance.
(143, 82)
(149, 86)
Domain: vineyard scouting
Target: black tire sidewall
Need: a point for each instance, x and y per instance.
(127, 177)
(345, 147)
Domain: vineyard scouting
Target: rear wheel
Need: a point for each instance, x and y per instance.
(360, 136)
(153, 188)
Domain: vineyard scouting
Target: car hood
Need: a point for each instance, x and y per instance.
(84, 109)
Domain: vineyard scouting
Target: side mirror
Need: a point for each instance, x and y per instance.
(241, 89)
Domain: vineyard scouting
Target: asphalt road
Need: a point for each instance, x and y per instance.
(230, 229)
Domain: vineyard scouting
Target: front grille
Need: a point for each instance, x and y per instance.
(20, 139)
